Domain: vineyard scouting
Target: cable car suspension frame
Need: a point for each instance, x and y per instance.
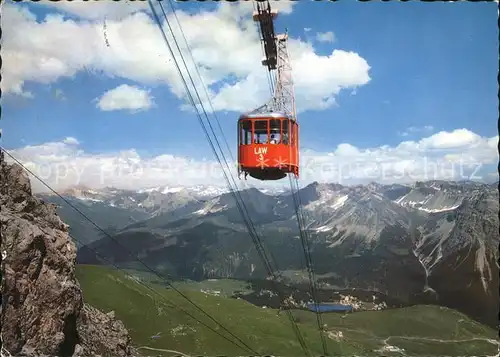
(276, 59)
(277, 116)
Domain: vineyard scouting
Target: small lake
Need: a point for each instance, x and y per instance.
(325, 307)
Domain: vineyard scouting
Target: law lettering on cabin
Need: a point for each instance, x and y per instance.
(258, 151)
(261, 151)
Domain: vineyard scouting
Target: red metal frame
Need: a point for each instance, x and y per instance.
(266, 161)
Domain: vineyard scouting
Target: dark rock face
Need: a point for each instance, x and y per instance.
(42, 304)
(101, 334)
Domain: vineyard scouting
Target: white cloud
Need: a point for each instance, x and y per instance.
(416, 129)
(125, 97)
(71, 141)
(457, 139)
(224, 43)
(111, 9)
(63, 165)
(325, 36)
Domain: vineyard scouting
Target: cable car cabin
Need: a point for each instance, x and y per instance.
(268, 146)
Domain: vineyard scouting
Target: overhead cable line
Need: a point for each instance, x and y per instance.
(251, 228)
(300, 215)
(307, 254)
(300, 218)
(175, 306)
(171, 303)
(255, 238)
(199, 75)
(237, 194)
(151, 270)
(205, 88)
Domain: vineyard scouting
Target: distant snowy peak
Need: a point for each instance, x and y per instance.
(335, 196)
(84, 194)
(205, 190)
(274, 191)
(149, 189)
(212, 206)
(436, 196)
(160, 199)
(326, 198)
(199, 190)
(340, 211)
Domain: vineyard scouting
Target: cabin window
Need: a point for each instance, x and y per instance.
(292, 134)
(261, 132)
(284, 131)
(245, 132)
(275, 131)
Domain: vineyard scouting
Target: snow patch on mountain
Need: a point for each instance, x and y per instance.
(339, 202)
(483, 266)
(198, 190)
(210, 208)
(172, 190)
(84, 198)
(433, 197)
(438, 210)
(150, 189)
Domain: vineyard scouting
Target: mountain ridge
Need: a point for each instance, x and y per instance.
(399, 239)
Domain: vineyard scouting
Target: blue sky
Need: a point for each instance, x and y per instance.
(430, 64)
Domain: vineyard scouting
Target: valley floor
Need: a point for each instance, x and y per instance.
(153, 316)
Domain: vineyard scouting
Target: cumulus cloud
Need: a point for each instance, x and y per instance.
(64, 165)
(325, 36)
(119, 39)
(111, 9)
(71, 141)
(457, 139)
(125, 97)
(416, 129)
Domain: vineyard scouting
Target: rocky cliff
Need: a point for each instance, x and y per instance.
(42, 311)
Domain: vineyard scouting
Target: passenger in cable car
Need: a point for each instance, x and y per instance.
(275, 126)
(261, 131)
(285, 138)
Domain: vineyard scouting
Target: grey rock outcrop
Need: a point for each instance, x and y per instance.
(100, 332)
(42, 311)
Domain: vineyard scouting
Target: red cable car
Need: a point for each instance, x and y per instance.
(268, 146)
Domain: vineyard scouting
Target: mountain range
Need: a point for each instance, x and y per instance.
(430, 242)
